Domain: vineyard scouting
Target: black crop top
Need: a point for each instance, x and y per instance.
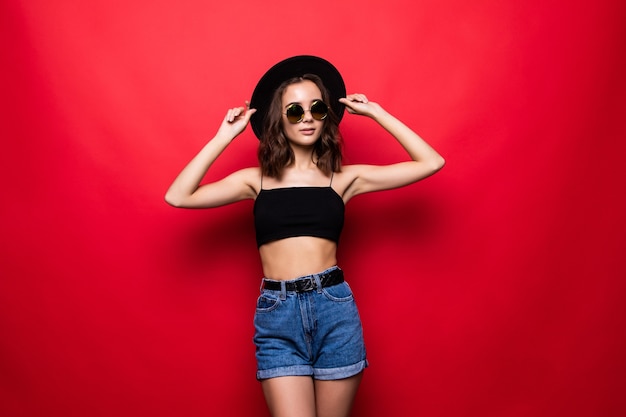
(280, 213)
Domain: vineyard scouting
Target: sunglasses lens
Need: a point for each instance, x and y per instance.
(319, 110)
(294, 113)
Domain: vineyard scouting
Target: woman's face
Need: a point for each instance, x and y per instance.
(308, 130)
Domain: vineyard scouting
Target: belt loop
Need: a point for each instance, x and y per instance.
(283, 291)
(318, 282)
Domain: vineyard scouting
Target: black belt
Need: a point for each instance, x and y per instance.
(327, 279)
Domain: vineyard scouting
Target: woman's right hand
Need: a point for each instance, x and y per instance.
(186, 190)
(235, 121)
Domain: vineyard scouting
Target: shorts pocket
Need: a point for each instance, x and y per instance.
(267, 302)
(339, 292)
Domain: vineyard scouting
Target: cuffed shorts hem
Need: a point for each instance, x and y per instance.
(323, 374)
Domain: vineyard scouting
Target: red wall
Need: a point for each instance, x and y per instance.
(494, 288)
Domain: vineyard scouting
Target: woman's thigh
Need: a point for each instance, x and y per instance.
(334, 398)
(289, 396)
(302, 396)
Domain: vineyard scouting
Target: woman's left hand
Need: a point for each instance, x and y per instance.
(359, 104)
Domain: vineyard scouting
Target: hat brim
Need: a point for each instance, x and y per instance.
(290, 68)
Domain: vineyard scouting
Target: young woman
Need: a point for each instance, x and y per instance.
(308, 336)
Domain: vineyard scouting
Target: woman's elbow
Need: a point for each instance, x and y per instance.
(174, 200)
(437, 163)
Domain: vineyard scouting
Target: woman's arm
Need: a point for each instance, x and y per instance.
(186, 191)
(367, 178)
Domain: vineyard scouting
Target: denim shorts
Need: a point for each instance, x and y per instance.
(316, 333)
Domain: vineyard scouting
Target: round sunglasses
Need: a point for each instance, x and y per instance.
(295, 112)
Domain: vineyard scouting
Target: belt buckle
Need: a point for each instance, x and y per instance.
(307, 285)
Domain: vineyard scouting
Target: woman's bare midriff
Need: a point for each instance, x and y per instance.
(294, 257)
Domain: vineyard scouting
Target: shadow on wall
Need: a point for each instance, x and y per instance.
(209, 241)
(402, 217)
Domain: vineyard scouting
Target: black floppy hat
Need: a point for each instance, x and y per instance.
(290, 68)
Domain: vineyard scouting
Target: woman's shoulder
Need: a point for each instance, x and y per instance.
(251, 175)
(248, 177)
(343, 181)
(352, 170)
(249, 172)
(353, 179)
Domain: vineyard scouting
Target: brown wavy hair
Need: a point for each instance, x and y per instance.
(274, 152)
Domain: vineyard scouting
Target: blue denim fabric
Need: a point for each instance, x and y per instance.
(316, 333)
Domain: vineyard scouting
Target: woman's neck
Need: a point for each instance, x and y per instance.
(303, 158)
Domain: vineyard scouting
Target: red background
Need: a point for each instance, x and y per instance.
(494, 288)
